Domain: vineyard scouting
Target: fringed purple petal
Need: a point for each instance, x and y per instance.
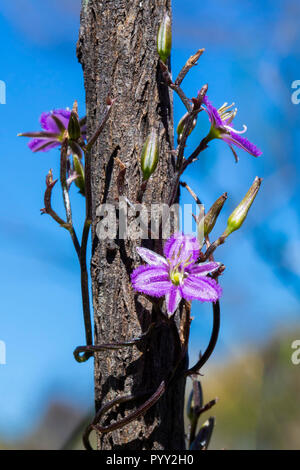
(181, 248)
(48, 123)
(173, 298)
(204, 268)
(153, 259)
(201, 288)
(242, 143)
(42, 145)
(212, 112)
(151, 280)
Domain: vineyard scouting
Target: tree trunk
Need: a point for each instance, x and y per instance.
(117, 49)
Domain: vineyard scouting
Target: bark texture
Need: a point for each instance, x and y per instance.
(117, 49)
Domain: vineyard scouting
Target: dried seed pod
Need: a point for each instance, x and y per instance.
(213, 213)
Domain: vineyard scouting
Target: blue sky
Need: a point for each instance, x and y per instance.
(251, 58)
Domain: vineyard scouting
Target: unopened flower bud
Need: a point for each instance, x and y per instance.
(164, 38)
(74, 127)
(79, 181)
(189, 407)
(239, 214)
(193, 407)
(213, 213)
(181, 124)
(150, 155)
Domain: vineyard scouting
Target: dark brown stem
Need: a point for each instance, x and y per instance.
(85, 293)
(194, 195)
(168, 79)
(185, 134)
(210, 250)
(202, 146)
(128, 419)
(66, 197)
(50, 183)
(113, 346)
(185, 164)
(181, 95)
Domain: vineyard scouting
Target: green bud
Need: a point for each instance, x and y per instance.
(181, 125)
(239, 214)
(74, 127)
(150, 154)
(164, 39)
(213, 213)
(80, 181)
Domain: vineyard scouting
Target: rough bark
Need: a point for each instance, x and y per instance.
(117, 49)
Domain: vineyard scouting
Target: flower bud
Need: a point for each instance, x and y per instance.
(239, 214)
(74, 127)
(181, 124)
(204, 436)
(164, 38)
(213, 213)
(193, 407)
(150, 154)
(79, 181)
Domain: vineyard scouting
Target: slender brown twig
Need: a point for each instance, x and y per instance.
(194, 195)
(111, 346)
(202, 146)
(100, 128)
(168, 79)
(213, 246)
(85, 292)
(50, 183)
(188, 126)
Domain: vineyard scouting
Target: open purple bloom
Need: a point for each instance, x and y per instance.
(221, 120)
(177, 275)
(54, 125)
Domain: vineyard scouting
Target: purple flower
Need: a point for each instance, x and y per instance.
(220, 120)
(54, 125)
(176, 275)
